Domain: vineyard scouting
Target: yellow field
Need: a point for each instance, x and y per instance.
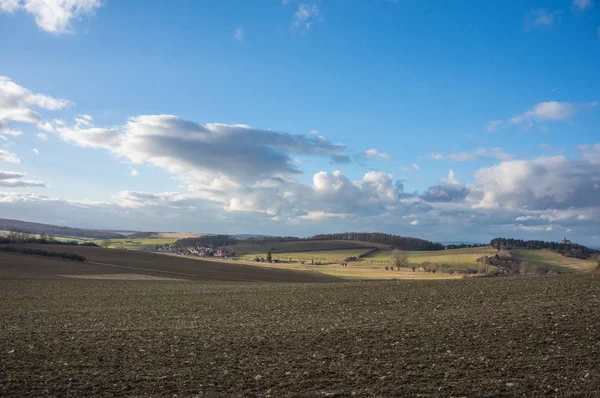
(542, 257)
(354, 271)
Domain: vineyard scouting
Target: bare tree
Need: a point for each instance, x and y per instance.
(399, 259)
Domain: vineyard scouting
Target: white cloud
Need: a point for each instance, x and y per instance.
(84, 120)
(238, 34)
(374, 153)
(54, 16)
(539, 184)
(16, 103)
(582, 4)
(42, 136)
(134, 173)
(305, 17)
(8, 157)
(12, 179)
(414, 222)
(34, 150)
(550, 111)
(478, 154)
(415, 167)
(543, 18)
(494, 125)
(201, 153)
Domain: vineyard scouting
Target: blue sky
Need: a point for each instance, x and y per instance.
(447, 121)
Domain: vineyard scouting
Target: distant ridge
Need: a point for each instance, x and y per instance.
(7, 224)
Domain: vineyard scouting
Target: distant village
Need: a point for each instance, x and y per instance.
(198, 251)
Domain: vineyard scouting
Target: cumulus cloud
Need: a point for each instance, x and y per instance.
(450, 190)
(134, 173)
(12, 179)
(415, 167)
(34, 150)
(42, 136)
(54, 16)
(374, 154)
(200, 153)
(478, 154)
(539, 184)
(8, 157)
(16, 103)
(305, 17)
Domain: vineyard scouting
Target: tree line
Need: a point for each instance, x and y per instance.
(215, 240)
(399, 242)
(45, 253)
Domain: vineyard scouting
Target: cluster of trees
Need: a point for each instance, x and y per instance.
(466, 246)
(566, 249)
(271, 239)
(400, 242)
(40, 252)
(215, 240)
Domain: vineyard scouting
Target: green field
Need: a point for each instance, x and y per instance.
(555, 261)
(456, 259)
(127, 243)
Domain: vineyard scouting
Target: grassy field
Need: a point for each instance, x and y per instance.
(560, 263)
(456, 258)
(354, 271)
(529, 336)
(133, 243)
(322, 256)
(242, 249)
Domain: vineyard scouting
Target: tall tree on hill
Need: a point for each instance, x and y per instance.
(399, 259)
(269, 258)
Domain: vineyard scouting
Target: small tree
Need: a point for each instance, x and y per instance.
(106, 243)
(269, 257)
(399, 259)
(430, 267)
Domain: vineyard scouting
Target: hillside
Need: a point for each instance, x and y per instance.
(244, 248)
(554, 261)
(110, 261)
(55, 230)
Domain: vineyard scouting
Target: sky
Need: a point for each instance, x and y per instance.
(449, 121)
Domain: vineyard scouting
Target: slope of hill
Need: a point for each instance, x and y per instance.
(131, 261)
(300, 246)
(554, 261)
(38, 228)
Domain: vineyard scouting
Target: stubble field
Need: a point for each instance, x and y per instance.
(537, 336)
